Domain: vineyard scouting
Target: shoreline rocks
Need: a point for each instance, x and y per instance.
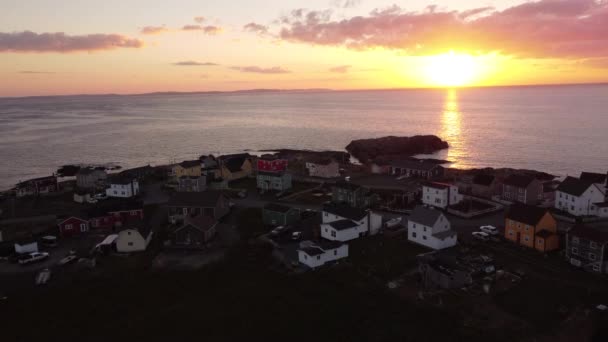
(392, 147)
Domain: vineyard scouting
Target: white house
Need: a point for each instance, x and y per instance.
(316, 255)
(132, 240)
(440, 195)
(26, 247)
(580, 198)
(345, 223)
(430, 228)
(323, 168)
(123, 188)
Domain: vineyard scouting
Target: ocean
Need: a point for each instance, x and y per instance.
(558, 129)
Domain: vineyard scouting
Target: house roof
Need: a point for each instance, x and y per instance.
(205, 199)
(594, 177)
(526, 214)
(313, 250)
(424, 215)
(544, 234)
(574, 186)
(321, 161)
(271, 174)
(88, 171)
(120, 179)
(47, 179)
(434, 185)
(112, 206)
(137, 170)
(343, 225)
(347, 185)
(186, 164)
(601, 204)
(519, 181)
(415, 164)
(200, 222)
(445, 234)
(485, 180)
(279, 208)
(72, 217)
(235, 163)
(318, 248)
(345, 211)
(589, 233)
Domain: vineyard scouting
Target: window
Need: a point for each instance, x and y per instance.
(424, 229)
(574, 250)
(527, 238)
(540, 241)
(510, 232)
(123, 193)
(68, 226)
(571, 207)
(413, 234)
(83, 227)
(336, 252)
(527, 228)
(130, 243)
(414, 225)
(519, 225)
(596, 267)
(591, 256)
(333, 233)
(318, 257)
(326, 214)
(423, 237)
(305, 256)
(115, 192)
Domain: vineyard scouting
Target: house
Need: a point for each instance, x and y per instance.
(522, 188)
(430, 228)
(317, 254)
(345, 223)
(277, 181)
(352, 194)
(416, 168)
(601, 179)
(443, 271)
(113, 214)
(323, 168)
(37, 186)
(91, 178)
(275, 214)
(209, 167)
(73, 226)
(138, 173)
(532, 227)
(191, 184)
(26, 246)
(123, 187)
(134, 239)
(194, 232)
(484, 185)
(81, 196)
(235, 166)
(440, 195)
(586, 247)
(188, 168)
(579, 197)
(12, 229)
(211, 203)
(271, 163)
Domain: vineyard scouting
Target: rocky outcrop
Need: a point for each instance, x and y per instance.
(388, 148)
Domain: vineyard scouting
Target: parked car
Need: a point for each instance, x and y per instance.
(49, 241)
(490, 230)
(100, 196)
(92, 200)
(278, 231)
(394, 222)
(33, 257)
(481, 236)
(296, 236)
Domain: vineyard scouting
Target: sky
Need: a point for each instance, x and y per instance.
(50, 47)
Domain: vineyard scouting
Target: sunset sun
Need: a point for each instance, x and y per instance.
(451, 70)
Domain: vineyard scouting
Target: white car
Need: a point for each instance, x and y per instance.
(92, 201)
(100, 196)
(32, 257)
(490, 230)
(481, 236)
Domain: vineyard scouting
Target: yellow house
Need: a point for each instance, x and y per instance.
(532, 227)
(189, 168)
(235, 166)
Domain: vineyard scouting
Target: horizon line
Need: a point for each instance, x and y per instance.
(277, 90)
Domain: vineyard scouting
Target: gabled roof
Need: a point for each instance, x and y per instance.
(345, 211)
(601, 204)
(593, 177)
(445, 234)
(88, 171)
(200, 222)
(72, 217)
(519, 181)
(485, 180)
(415, 164)
(205, 199)
(320, 247)
(425, 216)
(574, 186)
(186, 164)
(279, 208)
(121, 180)
(526, 214)
(586, 232)
(343, 225)
(234, 163)
(435, 185)
(313, 250)
(347, 185)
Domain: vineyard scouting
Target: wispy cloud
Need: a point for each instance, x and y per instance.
(256, 28)
(538, 29)
(346, 3)
(28, 41)
(35, 72)
(199, 20)
(209, 29)
(260, 70)
(341, 69)
(194, 63)
(153, 30)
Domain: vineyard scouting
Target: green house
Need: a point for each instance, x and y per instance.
(269, 181)
(280, 215)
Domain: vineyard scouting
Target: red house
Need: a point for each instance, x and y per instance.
(73, 226)
(115, 215)
(270, 163)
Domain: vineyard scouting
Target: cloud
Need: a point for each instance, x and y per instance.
(538, 29)
(256, 28)
(259, 70)
(346, 3)
(35, 72)
(341, 69)
(28, 41)
(153, 30)
(199, 20)
(194, 63)
(210, 29)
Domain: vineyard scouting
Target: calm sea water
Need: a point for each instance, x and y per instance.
(561, 129)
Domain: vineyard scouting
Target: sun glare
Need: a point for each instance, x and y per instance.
(451, 70)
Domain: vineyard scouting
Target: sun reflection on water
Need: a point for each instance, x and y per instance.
(451, 128)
